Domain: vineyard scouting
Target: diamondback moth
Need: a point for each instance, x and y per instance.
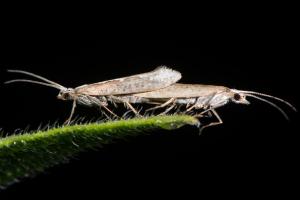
(205, 97)
(96, 94)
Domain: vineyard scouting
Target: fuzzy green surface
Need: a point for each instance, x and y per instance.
(30, 153)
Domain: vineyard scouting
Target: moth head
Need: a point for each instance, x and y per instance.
(239, 98)
(66, 94)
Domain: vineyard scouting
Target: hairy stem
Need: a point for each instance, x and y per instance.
(30, 153)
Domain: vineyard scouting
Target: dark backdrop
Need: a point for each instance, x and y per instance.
(255, 141)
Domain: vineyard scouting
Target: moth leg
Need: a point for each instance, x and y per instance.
(178, 108)
(111, 112)
(208, 111)
(132, 108)
(187, 105)
(106, 115)
(126, 103)
(205, 105)
(97, 102)
(162, 105)
(192, 107)
(220, 121)
(68, 121)
(168, 110)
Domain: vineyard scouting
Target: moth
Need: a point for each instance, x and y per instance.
(201, 97)
(97, 94)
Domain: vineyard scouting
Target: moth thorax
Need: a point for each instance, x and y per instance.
(220, 99)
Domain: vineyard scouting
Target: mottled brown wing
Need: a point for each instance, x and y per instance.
(160, 78)
(183, 91)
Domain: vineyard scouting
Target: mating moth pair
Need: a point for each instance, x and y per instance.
(158, 88)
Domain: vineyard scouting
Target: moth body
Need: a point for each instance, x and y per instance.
(200, 95)
(205, 97)
(97, 94)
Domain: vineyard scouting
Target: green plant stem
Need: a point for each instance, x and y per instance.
(30, 153)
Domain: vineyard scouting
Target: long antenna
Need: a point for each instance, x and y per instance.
(34, 82)
(270, 103)
(270, 96)
(36, 76)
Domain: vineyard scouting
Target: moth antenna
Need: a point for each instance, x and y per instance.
(34, 82)
(270, 96)
(270, 103)
(36, 76)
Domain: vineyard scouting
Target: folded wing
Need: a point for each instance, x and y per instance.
(183, 91)
(159, 78)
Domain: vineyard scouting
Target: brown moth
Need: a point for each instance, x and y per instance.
(204, 97)
(96, 94)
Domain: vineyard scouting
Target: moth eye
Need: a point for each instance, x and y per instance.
(237, 97)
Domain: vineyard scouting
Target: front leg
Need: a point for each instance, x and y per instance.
(68, 121)
(220, 121)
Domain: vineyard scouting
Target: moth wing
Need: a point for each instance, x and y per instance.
(183, 91)
(159, 78)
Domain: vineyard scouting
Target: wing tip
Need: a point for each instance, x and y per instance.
(165, 68)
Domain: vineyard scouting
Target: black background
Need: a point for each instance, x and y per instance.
(254, 143)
